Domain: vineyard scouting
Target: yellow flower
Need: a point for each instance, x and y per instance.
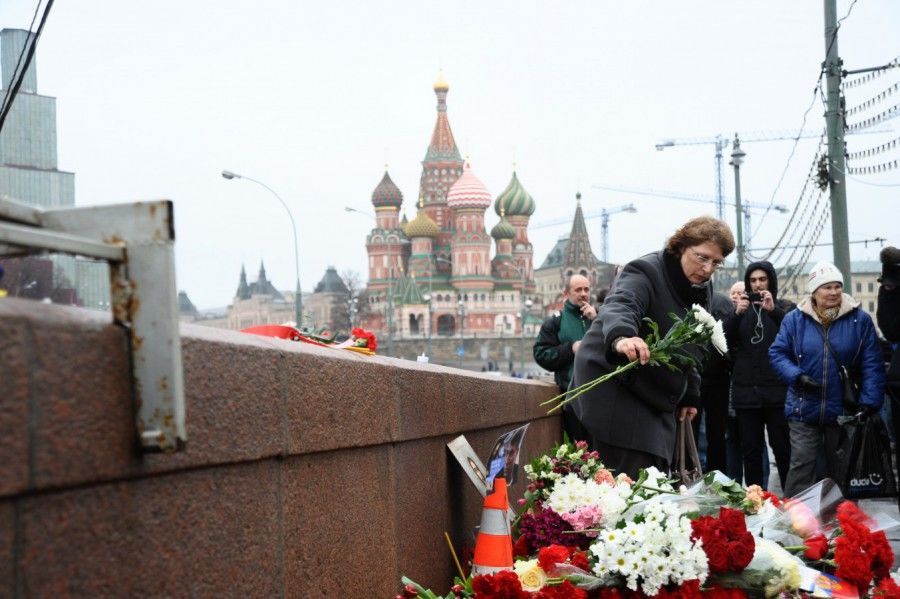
(530, 574)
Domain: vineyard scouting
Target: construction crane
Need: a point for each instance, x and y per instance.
(720, 142)
(603, 214)
(746, 206)
(604, 225)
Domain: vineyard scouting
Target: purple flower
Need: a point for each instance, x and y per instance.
(546, 527)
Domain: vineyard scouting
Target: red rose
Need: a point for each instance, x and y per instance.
(739, 555)
(816, 547)
(734, 522)
(548, 557)
(717, 556)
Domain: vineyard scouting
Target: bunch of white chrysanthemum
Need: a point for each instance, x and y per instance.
(708, 321)
(572, 493)
(650, 553)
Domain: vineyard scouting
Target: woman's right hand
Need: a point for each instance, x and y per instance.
(634, 348)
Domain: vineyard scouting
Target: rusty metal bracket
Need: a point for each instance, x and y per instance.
(138, 241)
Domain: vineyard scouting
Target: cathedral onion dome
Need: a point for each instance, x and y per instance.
(503, 230)
(387, 193)
(422, 226)
(468, 192)
(441, 83)
(514, 200)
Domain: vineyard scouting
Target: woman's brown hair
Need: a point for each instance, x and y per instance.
(700, 230)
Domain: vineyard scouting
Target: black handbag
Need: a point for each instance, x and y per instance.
(849, 386)
(687, 468)
(863, 466)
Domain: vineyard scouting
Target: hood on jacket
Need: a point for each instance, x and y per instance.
(847, 305)
(770, 272)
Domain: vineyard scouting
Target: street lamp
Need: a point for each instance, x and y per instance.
(354, 308)
(298, 297)
(528, 304)
(461, 311)
(737, 159)
(427, 298)
(358, 211)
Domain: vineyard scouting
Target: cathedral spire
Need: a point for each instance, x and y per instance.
(578, 250)
(243, 290)
(442, 146)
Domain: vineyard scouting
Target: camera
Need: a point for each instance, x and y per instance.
(755, 297)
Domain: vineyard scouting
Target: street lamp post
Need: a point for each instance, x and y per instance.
(737, 159)
(298, 296)
(354, 308)
(427, 298)
(525, 308)
(461, 311)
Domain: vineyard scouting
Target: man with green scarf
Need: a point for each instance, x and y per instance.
(560, 336)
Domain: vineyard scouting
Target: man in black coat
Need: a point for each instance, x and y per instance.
(715, 383)
(888, 319)
(757, 394)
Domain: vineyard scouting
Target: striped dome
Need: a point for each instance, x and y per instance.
(468, 192)
(422, 226)
(503, 230)
(387, 193)
(515, 200)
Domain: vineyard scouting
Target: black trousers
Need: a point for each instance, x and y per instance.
(753, 424)
(714, 407)
(629, 461)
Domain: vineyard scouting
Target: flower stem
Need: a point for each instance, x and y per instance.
(568, 396)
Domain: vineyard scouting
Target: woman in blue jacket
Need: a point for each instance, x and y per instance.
(803, 359)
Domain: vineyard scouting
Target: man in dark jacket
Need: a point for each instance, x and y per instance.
(715, 380)
(757, 393)
(888, 318)
(560, 337)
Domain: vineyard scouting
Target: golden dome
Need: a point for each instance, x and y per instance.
(441, 84)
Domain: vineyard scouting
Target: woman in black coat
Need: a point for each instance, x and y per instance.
(631, 419)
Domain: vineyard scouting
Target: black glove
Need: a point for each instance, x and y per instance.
(808, 383)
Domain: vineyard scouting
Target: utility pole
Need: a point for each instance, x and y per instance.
(834, 126)
(737, 158)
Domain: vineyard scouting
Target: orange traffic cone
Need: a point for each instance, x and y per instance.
(493, 547)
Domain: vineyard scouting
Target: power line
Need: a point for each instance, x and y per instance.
(870, 75)
(852, 178)
(21, 74)
(12, 78)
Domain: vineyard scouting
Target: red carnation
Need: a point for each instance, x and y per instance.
(739, 555)
(566, 590)
(887, 589)
(734, 522)
(579, 559)
(717, 556)
(548, 557)
(521, 547)
(500, 585)
(772, 497)
(816, 547)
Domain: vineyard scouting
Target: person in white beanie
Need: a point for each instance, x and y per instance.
(826, 331)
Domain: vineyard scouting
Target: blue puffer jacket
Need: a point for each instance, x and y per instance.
(800, 348)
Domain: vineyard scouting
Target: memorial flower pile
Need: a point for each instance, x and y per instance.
(697, 327)
(584, 532)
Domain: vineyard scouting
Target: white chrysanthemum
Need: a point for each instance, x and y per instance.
(718, 338)
(703, 316)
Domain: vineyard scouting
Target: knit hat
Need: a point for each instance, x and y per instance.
(822, 273)
(890, 266)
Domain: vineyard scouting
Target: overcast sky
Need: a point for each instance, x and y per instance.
(156, 98)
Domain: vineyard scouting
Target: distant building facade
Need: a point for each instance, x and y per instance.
(328, 306)
(571, 255)
(29, 170)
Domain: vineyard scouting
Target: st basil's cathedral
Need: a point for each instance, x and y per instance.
(436, 270)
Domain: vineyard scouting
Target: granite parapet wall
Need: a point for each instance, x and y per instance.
(309, 472)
